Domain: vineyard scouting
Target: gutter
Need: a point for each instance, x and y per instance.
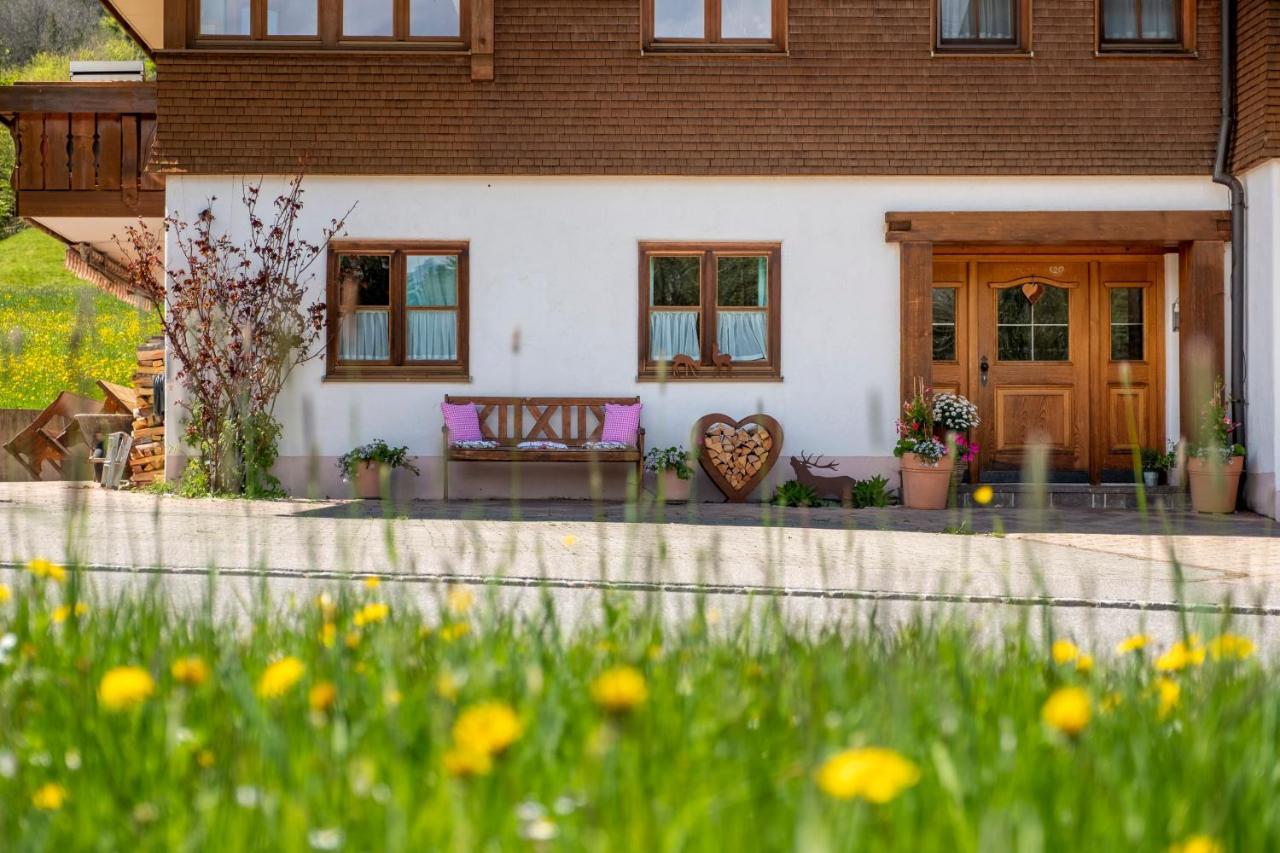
(1221, 175)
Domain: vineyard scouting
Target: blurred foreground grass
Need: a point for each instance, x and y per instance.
(355, 722)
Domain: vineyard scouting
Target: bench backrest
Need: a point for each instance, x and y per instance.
(569, 420)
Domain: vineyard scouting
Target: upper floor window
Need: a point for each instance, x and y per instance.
(982, 25)
(720, 25)
(1144, 25)
(335, 21)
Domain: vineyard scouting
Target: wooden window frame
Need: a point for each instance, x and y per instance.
(1019, 45)
(712, 41)
(768, 371)
(397, 369)
(1183, 45)
(329, 30)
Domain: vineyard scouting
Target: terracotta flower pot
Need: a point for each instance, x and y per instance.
(925, 483)
(670, 488)
(369, 481)
(1214, 484)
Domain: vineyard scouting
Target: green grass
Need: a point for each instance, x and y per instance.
(722, 754)
(56, 332)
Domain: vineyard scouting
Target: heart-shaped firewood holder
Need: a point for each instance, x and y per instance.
(737, 454)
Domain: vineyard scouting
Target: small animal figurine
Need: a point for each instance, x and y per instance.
(827, 487)
(683, 365)
(721, 360)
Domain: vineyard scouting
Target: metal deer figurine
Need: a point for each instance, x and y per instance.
(839, 488)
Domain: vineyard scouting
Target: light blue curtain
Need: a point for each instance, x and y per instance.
(741, 334)
(995, 19)
(1120, 19)
(364, 336)
(673, 333)
(432, 281)
(433, 336)
(1159, 19)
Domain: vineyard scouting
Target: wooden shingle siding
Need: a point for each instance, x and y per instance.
(858, 93)
(1257, 83)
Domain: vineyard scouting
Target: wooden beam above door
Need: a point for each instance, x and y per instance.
(1162, 227)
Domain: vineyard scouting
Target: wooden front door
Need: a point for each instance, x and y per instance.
(1061, 353)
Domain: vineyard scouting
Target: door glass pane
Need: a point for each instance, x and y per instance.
(1032, 323)
(944, 324)
(675, 281)
(435, 18)
(368, 18)
(431, 280)
(679, 19)
(224, 17)
(1127, 330)
(742, 282)
(291, 17)
(746, 19)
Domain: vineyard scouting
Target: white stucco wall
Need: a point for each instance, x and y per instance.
(554, 262)
(1262, 319)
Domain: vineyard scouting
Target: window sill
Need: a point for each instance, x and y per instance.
(960, 53)
(706, 51)
(1130, 53)
(378, 374)
(315, 48)
(709, 375)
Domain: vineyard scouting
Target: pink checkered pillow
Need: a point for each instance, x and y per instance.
(463, 421)
(621, 423)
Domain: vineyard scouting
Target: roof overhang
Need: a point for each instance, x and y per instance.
(142, 19)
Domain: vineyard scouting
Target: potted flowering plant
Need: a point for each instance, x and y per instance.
(1155, 463)
(926, 464)
(954, 417)
(673, 474)
(370, 463)
(1215, 464)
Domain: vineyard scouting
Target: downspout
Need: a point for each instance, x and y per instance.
(1226, 130)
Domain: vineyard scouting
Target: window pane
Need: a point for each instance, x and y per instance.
(1049, 343)
(364, 336)
(365, 280)
(367, 18)
(431, 280)
(432, 336)
(224, 17)
(1014, 343)
(1159, 19)
(673, 333)
(1126, 305)
(435, 18)
(291, 17)
(675, 281)
(742, 281)
(746, 19)
(968, 20)
(742, 335)
(944, 305)
(1012, 306)
(679, 19)
(1119, 19)
(1051, 307)
(944, 342)
(1127, 343)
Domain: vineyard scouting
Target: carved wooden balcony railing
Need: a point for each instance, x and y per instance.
(82, 149)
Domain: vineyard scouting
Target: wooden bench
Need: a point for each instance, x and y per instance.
(568, 420)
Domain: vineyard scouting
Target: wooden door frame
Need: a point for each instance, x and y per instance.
(1199, 238)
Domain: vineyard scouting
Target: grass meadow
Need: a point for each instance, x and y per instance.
(353, 722)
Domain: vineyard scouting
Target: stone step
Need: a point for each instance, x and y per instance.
(1075, 496)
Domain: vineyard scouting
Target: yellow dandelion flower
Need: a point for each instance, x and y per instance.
(1181, 655)
(983, 495)
(620, 690)
(1231, 647)
(874, 774)
(569, 540)
(49, 797)
(391, 697)
(328, 634)
(5, 593)
(191, 671)
(63, 612)
(205, 758)
(372, 582)
(463, 762)
(280, 677)
(446, 686)
(454, 631)
(42, 568)
(322, 696)
(352, 640)
(1084, 663)
(1133, 643)
(1068, 710)
(371, 613)
(489, 727)
(1065, 651)
(1168, 692)
(1197, 844)
(326, 606)
(125, 687)
(460, 600)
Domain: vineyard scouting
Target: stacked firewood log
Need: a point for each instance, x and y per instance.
(737, 453)
(146, 460)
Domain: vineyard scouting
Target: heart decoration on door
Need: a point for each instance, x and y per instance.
(738, 454)
(1033, 292)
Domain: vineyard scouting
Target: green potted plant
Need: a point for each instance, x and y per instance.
(1216, 462)
(926, 464)
(1155, 463)
(370, 463)
(673, 476)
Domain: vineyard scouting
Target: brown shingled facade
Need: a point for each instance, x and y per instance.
(859, 94)
(1257, 83)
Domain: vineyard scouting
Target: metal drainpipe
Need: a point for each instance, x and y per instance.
(1226, 129)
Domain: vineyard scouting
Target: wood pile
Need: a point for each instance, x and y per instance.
(737, 453)
(146, 459)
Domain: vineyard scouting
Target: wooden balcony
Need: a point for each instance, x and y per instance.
(82, 149)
